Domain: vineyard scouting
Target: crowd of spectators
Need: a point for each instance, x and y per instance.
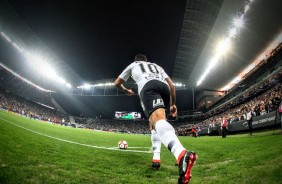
(258, 100)
(261, 98)
(137, 126)
(115, 125)
(20, 87)
(14, 103)
(262, 104)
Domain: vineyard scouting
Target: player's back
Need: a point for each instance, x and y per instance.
(142, 72)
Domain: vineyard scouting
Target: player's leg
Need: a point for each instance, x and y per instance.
(185, 159)
(166, 132)
(155, 97)
(156, 144)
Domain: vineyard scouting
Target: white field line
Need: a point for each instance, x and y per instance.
(72, 142)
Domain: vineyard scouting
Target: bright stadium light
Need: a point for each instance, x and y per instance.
(40, 64)
(232, 32)
(261, 57)
(202, 78)
(177, 84)
(236, 79)
(225, 44)
(68, 85)
(247, 7)
(22, 78)
(61, 80)
(86, 86)
(109, 84)
(6, 36)
(238, 22)
(18, 47)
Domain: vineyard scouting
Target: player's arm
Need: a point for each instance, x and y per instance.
(120, 86)
(122, 78)
(173, 108)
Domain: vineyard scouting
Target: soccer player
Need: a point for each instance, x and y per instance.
(157, 93)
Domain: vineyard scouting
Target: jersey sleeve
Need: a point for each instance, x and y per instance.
(126, 73)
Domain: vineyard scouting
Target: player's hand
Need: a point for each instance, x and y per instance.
(129, 92)
(173, 110)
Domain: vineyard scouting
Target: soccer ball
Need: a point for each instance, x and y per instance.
(122, 145)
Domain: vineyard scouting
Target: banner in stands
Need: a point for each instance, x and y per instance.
(258, 122)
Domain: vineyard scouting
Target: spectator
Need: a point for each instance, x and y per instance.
(223, 127)
(250, 120)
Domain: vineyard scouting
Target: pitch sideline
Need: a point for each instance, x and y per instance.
(72, 142)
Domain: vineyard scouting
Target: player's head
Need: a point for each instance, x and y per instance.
(140, 57)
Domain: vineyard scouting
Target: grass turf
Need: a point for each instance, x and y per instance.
(32, 151)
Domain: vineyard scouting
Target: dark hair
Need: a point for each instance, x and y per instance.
(140, 57)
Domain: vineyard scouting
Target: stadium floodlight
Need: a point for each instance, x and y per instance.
(213, 62)
(68, 85)
(223, 46)
(211, 65)
(225, 88)
(232, 32)
(86, 86)
(109, 84)
(236, 80)
(41, 66)
(247, 7)
(255, 63)
(6, 36)
(178, 84)
(61, 80)
(104, 84)
(238, 22)
(202, 78)
(18, 47)
(22, 78)
(98, 85)
(39, 63)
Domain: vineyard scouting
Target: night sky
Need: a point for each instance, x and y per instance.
(99, 38)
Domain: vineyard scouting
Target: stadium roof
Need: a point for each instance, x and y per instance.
(96, 40)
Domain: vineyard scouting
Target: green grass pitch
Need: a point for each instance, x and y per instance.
(37, 152)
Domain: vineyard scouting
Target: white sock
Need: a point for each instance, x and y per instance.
(168, 137)
(157, 144)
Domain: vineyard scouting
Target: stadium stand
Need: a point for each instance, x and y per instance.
(266, 67)
(20, 97)
(14, 103)
(261, 91)
(12, 83)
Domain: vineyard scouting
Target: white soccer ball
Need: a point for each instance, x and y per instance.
(122, 145)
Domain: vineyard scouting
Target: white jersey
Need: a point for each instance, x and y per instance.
(142, 72)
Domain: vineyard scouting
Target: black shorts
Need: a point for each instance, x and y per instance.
(154, 95)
